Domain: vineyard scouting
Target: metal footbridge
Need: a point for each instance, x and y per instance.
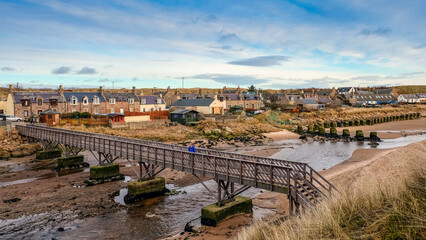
(303, 185)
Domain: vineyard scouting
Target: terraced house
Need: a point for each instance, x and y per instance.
(91, 102)
(149, 103)
(117, 102)
(25, 104)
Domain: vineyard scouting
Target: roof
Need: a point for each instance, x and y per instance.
(421, 95)
(188, 95)
(323, 99)
(113, 114)
(183, 111)
(410, 96)
(383, 91)
(120, 97)
(50, 111)
(307, 101)
(234, 97)
(344, 89)
(324, 92)
(151, 99)
(81, 95)
(193, 102)
(32, 96)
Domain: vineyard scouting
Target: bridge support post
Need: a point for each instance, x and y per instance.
(228, 203)
(50, 150)
(107, 170)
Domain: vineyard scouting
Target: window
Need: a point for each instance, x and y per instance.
(247, 105)
(85, 101)
(25, 102)
(175, 116)
(143, 110)
(26, 113)
(74, 110)
(143, 101)
(95, 100)
(121, 110)
(159, 100)
(73, 100)
(53, 102)
(131, 109)
(40, 102)
(39, 111)
(112, 100)
(152, 109)
(50, 116)
(131, 100)
(252, 106)
(96, 111)
(159, 109)
(112, 110)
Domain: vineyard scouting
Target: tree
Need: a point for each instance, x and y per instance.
(252, 88)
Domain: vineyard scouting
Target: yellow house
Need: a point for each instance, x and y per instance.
(7, 105)
(202, 105)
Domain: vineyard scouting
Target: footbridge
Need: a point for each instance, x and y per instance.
(303, 185)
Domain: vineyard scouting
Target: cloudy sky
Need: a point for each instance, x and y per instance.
(271, 44)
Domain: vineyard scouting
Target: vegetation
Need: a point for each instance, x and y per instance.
(75, 115)
(387, 206)
(413, 89)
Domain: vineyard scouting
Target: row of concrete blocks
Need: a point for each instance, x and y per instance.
(142, 189)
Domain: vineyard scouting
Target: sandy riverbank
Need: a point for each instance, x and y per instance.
(361, 163)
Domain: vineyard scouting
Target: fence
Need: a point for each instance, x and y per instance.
(153, 114)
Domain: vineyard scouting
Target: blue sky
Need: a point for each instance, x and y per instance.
(271, 44)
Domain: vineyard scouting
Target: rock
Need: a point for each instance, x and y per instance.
(61, 229)
(17, 154)
(4, 155)
(12, 200)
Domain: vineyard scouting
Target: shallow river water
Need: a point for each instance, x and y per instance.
(167, 215)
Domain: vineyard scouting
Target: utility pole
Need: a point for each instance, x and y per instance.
(112, 84)
(183, 82)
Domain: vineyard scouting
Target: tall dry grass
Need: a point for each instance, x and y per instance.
(387, 206)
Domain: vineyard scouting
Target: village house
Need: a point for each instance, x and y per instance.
(149, 103)
(421, 97)
(91, 102)
(184, 116)
(26, 104)
(408, 98)
(205, 106)
(309, 104)
(117, 102)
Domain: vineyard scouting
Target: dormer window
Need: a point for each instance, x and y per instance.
(53, 102)
(143, 101)
(85, 101)
(158, 100)
(39, 101)
(131, 100)
(25, 102)
(112, 100)
(96, 100)
(74, 100)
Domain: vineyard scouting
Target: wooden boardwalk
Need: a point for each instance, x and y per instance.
(276, 175)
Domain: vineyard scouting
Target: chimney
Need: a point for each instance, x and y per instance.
(134, 90)
(215, 97)
(10, 88)
(168, 88)
(61, 89)
(101, 90)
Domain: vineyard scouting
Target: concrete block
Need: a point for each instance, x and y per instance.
(104, 172)
(70, 162)
(213, 214)
(155, 185)
(48, 154)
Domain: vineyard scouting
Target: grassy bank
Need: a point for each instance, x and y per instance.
(383, 204)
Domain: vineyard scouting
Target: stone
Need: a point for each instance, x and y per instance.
(70, 162)
(143, 189)
(17, 154)
(215, 213)
(48, 154)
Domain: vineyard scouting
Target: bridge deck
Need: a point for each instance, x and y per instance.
(260, 174)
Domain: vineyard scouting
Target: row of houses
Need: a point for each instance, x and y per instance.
(24, 103)
(320, 99)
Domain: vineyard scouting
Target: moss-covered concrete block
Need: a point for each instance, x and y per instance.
(104, 172)
(48, 154)
(346, 133)
(321, 131)
(311, 128)
(333, 131)
(70, 162)
(147, 187)
(213, 214)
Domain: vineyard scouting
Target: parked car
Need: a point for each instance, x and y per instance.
(13, 118)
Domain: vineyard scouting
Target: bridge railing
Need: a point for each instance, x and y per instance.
(245, 172)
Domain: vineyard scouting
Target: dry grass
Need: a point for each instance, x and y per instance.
(390, 205)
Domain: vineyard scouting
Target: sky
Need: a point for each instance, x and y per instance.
(270, 44)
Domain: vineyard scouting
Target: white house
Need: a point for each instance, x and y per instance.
(408, 98)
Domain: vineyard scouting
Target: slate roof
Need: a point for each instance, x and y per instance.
(324, 92)
(409, 96)
(306, 101)
(421, 95)
(120, 97)
(324, 100)
(32, 96)
(182, 111)
(188, 95)
(50, 111)
(192, 102)
(234, 97)
(81, 95)
(383, 91)
(151, 99)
